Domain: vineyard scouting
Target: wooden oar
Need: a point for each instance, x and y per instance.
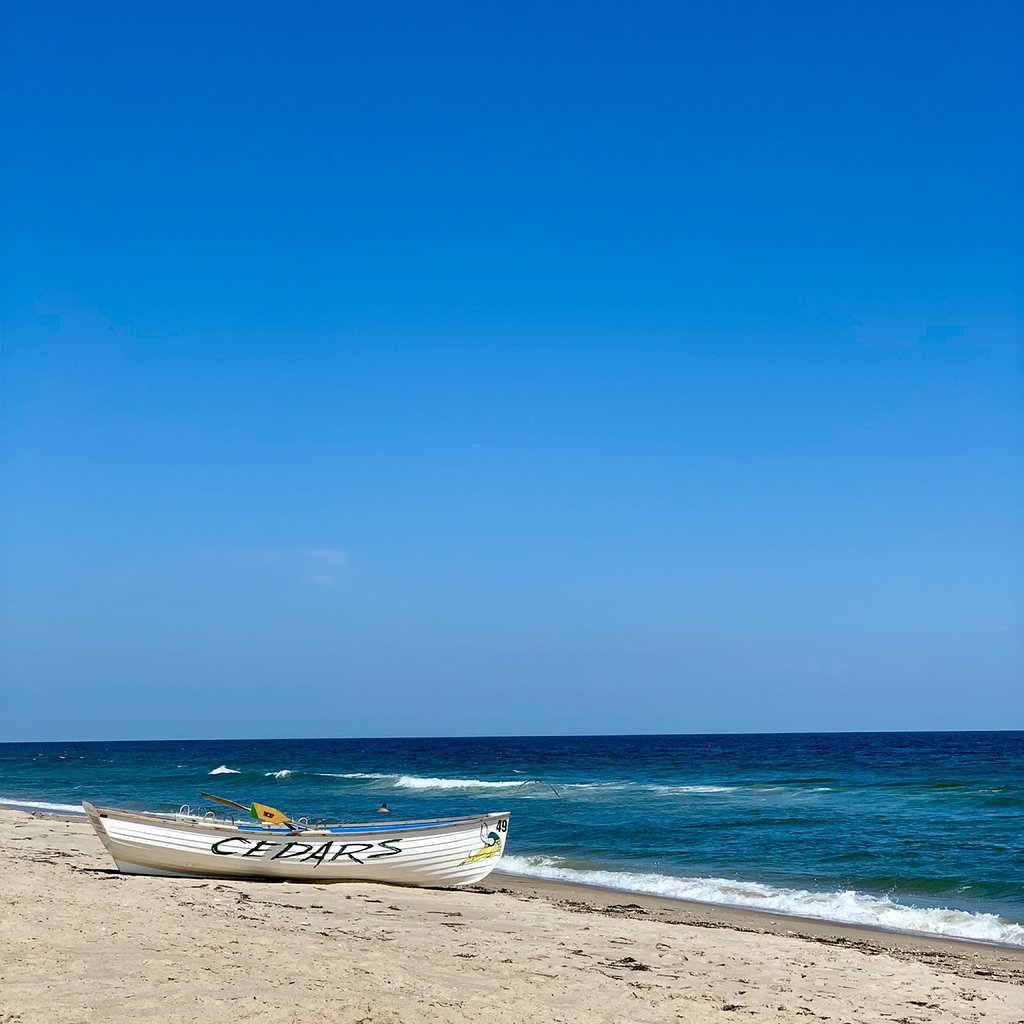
(261, 812)
(222, 800)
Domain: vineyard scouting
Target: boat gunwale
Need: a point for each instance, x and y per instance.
(192, 821)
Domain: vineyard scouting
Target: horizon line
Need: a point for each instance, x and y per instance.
(531, 736)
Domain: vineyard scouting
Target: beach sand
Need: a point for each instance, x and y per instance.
(80, 942)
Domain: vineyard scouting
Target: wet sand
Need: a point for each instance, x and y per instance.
(959, 955)
(81, 942)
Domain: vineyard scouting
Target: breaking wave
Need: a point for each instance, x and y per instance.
(354, 775)
(689, 789)
(846, 907)
(422, 782)
(400, 781)
(417, 782)
(225, 770)
(282, 774)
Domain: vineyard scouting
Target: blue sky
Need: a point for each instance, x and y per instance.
(389, 371)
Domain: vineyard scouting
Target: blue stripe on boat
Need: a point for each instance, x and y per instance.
(342, 829)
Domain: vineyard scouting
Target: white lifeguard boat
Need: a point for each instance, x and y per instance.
(434, 852)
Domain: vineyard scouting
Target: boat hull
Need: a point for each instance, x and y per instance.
(455, 851)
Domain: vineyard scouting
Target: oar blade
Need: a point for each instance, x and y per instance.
(269, 815)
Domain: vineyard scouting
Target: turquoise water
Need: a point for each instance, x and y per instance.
(912, 831)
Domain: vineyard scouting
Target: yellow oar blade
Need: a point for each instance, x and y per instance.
(261, 812)
(269, 815)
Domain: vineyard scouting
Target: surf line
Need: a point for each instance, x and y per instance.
(303, 852)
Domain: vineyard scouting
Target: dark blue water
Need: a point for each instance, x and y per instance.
(918, 831)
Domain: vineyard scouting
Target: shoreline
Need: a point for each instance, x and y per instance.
(676, 909)
(574, 895)
(673, 910)
(512, 949)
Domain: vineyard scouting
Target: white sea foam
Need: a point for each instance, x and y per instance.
(426, 782)
(354, 775)
(41, 805)
(225, 770)
(419, 782)
(848, 907)
(689, 789)
(282, 774)
(400, 781)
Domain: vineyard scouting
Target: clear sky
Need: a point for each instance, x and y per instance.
(440, 369)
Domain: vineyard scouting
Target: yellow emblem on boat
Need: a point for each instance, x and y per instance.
(491, 848)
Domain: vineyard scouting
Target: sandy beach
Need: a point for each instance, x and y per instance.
(80, 942)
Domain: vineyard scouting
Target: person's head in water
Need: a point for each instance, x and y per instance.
(383, 809)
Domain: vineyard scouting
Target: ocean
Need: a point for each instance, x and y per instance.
(906, 831)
